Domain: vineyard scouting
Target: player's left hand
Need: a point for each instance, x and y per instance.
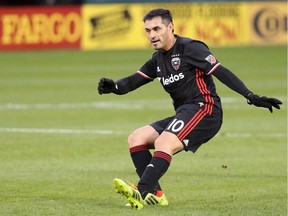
(262, 101)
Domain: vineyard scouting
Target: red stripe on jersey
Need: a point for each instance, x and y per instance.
(163, 155)
(209, 102)
(138, 148)
(144, 75)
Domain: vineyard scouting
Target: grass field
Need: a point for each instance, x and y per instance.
(61, 144)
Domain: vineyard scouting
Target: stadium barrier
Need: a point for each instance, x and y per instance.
(120, 26)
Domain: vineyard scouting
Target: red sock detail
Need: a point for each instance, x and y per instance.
(138, 148)
(159, 193)
(163, 155)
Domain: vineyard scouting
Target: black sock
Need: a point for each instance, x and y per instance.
(141, 157)
(153, 172)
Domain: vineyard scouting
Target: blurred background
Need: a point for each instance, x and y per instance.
(115, 24)
(66, 2)
(39, 2)
(62, 144)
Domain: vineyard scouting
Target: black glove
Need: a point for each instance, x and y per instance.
(106, 86)
(262, 101)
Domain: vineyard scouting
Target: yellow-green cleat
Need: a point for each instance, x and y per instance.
(158, 199)
(152, 199)
(130, 191)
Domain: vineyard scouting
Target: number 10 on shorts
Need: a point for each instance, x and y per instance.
(176, 125)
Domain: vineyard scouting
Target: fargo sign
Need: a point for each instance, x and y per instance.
(40, 28)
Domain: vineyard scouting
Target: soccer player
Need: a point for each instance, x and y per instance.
(184, 67)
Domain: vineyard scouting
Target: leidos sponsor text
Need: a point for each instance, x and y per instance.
(172, 79)
(40, 28)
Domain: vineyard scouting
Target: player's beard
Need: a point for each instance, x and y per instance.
(162, 43)
(159, 45)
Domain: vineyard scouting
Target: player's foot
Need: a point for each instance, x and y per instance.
(152, 199)
(158, 199)
(131, 192)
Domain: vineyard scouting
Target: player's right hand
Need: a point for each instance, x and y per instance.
(106, 86)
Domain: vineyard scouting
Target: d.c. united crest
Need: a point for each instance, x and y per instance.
(176, 63)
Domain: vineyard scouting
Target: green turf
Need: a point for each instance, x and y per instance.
(48, 171)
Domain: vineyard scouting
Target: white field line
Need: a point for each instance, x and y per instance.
(128, 105)
(112, 132)
(228, 103)
(59, 131)
(114, 105)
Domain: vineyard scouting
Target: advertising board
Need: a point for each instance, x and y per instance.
(120, 26)
(268, 23)
(40, 28)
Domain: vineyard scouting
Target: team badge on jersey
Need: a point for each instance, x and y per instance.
(211, 59)
(176, 63)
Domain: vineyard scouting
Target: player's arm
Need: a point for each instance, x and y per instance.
(233, 82)
(121, 86)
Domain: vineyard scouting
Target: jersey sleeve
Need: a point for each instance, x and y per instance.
(148, 70)
(200, 57)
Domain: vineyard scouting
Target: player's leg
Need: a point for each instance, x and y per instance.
(140, 141)
(166, 145)
(144, 135)
(191, 127)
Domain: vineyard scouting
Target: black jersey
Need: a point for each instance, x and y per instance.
(185, 73)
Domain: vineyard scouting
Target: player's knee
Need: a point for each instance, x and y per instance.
(131, 140)
(134, 139)
(143, 136)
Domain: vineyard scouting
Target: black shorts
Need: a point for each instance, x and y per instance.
(192, 124)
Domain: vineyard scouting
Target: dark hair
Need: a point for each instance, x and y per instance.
(163, 13)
